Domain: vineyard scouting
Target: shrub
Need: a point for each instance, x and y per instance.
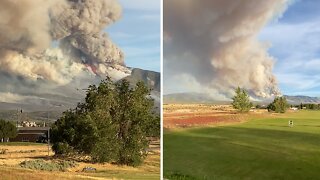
(48, 166)
(3, 151)
(279, 105)
(62, 148)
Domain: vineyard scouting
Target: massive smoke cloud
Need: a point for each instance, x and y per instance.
(215, 42)
(50, 50)
(29, 27)
(79, 24)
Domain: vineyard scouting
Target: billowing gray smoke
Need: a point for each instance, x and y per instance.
(28, 28)
(79, 24)
(215, 42)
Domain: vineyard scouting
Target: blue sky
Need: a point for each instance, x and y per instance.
(138, 33)
(295, 44)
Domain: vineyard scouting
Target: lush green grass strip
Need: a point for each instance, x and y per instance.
(258, 149)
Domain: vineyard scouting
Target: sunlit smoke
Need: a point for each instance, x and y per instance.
(28, 28)
(215, 42)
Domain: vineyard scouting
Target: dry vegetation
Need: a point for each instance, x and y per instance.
(190, 115)
(15, 154)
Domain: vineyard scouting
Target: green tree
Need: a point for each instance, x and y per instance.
(241, 100)
(301, 106)
(279, 105)
(7, 130)
(112, 124)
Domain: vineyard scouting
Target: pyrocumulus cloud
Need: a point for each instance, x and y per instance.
(28, 28)
(215, 42)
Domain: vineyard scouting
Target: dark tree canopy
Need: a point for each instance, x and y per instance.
(241, 100)
(7, 130)
(112, 124)
(309, 106)
(279, 105)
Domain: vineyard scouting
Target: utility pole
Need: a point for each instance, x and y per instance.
(17, 124)
(48, 136)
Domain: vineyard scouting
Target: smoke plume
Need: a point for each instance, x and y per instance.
(215, 42)
(28, 29)
(79, 25)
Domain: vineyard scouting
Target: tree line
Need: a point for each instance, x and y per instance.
(308, 106)
(241, 102)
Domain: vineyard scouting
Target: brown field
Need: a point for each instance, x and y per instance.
(191, 115)
(15, 154)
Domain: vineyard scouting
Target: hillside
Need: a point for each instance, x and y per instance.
(191, 97)
(150, 78)
(56, 104)
(303, 99)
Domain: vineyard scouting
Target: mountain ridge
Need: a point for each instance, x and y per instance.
(193, 97)
(56, 104)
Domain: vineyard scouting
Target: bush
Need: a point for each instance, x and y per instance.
(48, 166)
(3, 151)
(62, 148)
(279, 105)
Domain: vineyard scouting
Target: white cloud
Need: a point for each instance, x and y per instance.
(297, 39)
(299, 81)
(296, 47)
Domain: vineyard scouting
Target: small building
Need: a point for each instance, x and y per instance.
(31, 134)
(294, 108)
(29, 124)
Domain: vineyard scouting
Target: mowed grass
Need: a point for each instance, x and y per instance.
(258, 149)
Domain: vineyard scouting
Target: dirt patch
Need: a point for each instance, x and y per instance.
(190, 115)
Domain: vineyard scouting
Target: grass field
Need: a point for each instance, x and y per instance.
(261, 148)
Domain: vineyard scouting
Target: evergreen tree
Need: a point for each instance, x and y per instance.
(241, 100)
(301, 106)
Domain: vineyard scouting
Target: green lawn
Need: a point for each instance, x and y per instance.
(258, 149)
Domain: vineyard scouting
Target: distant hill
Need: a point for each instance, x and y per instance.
(191, 97)
(14, 115)
(56, 104)
(150, 78)
(303, 99)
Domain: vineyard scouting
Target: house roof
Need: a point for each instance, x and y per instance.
(34, 128)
